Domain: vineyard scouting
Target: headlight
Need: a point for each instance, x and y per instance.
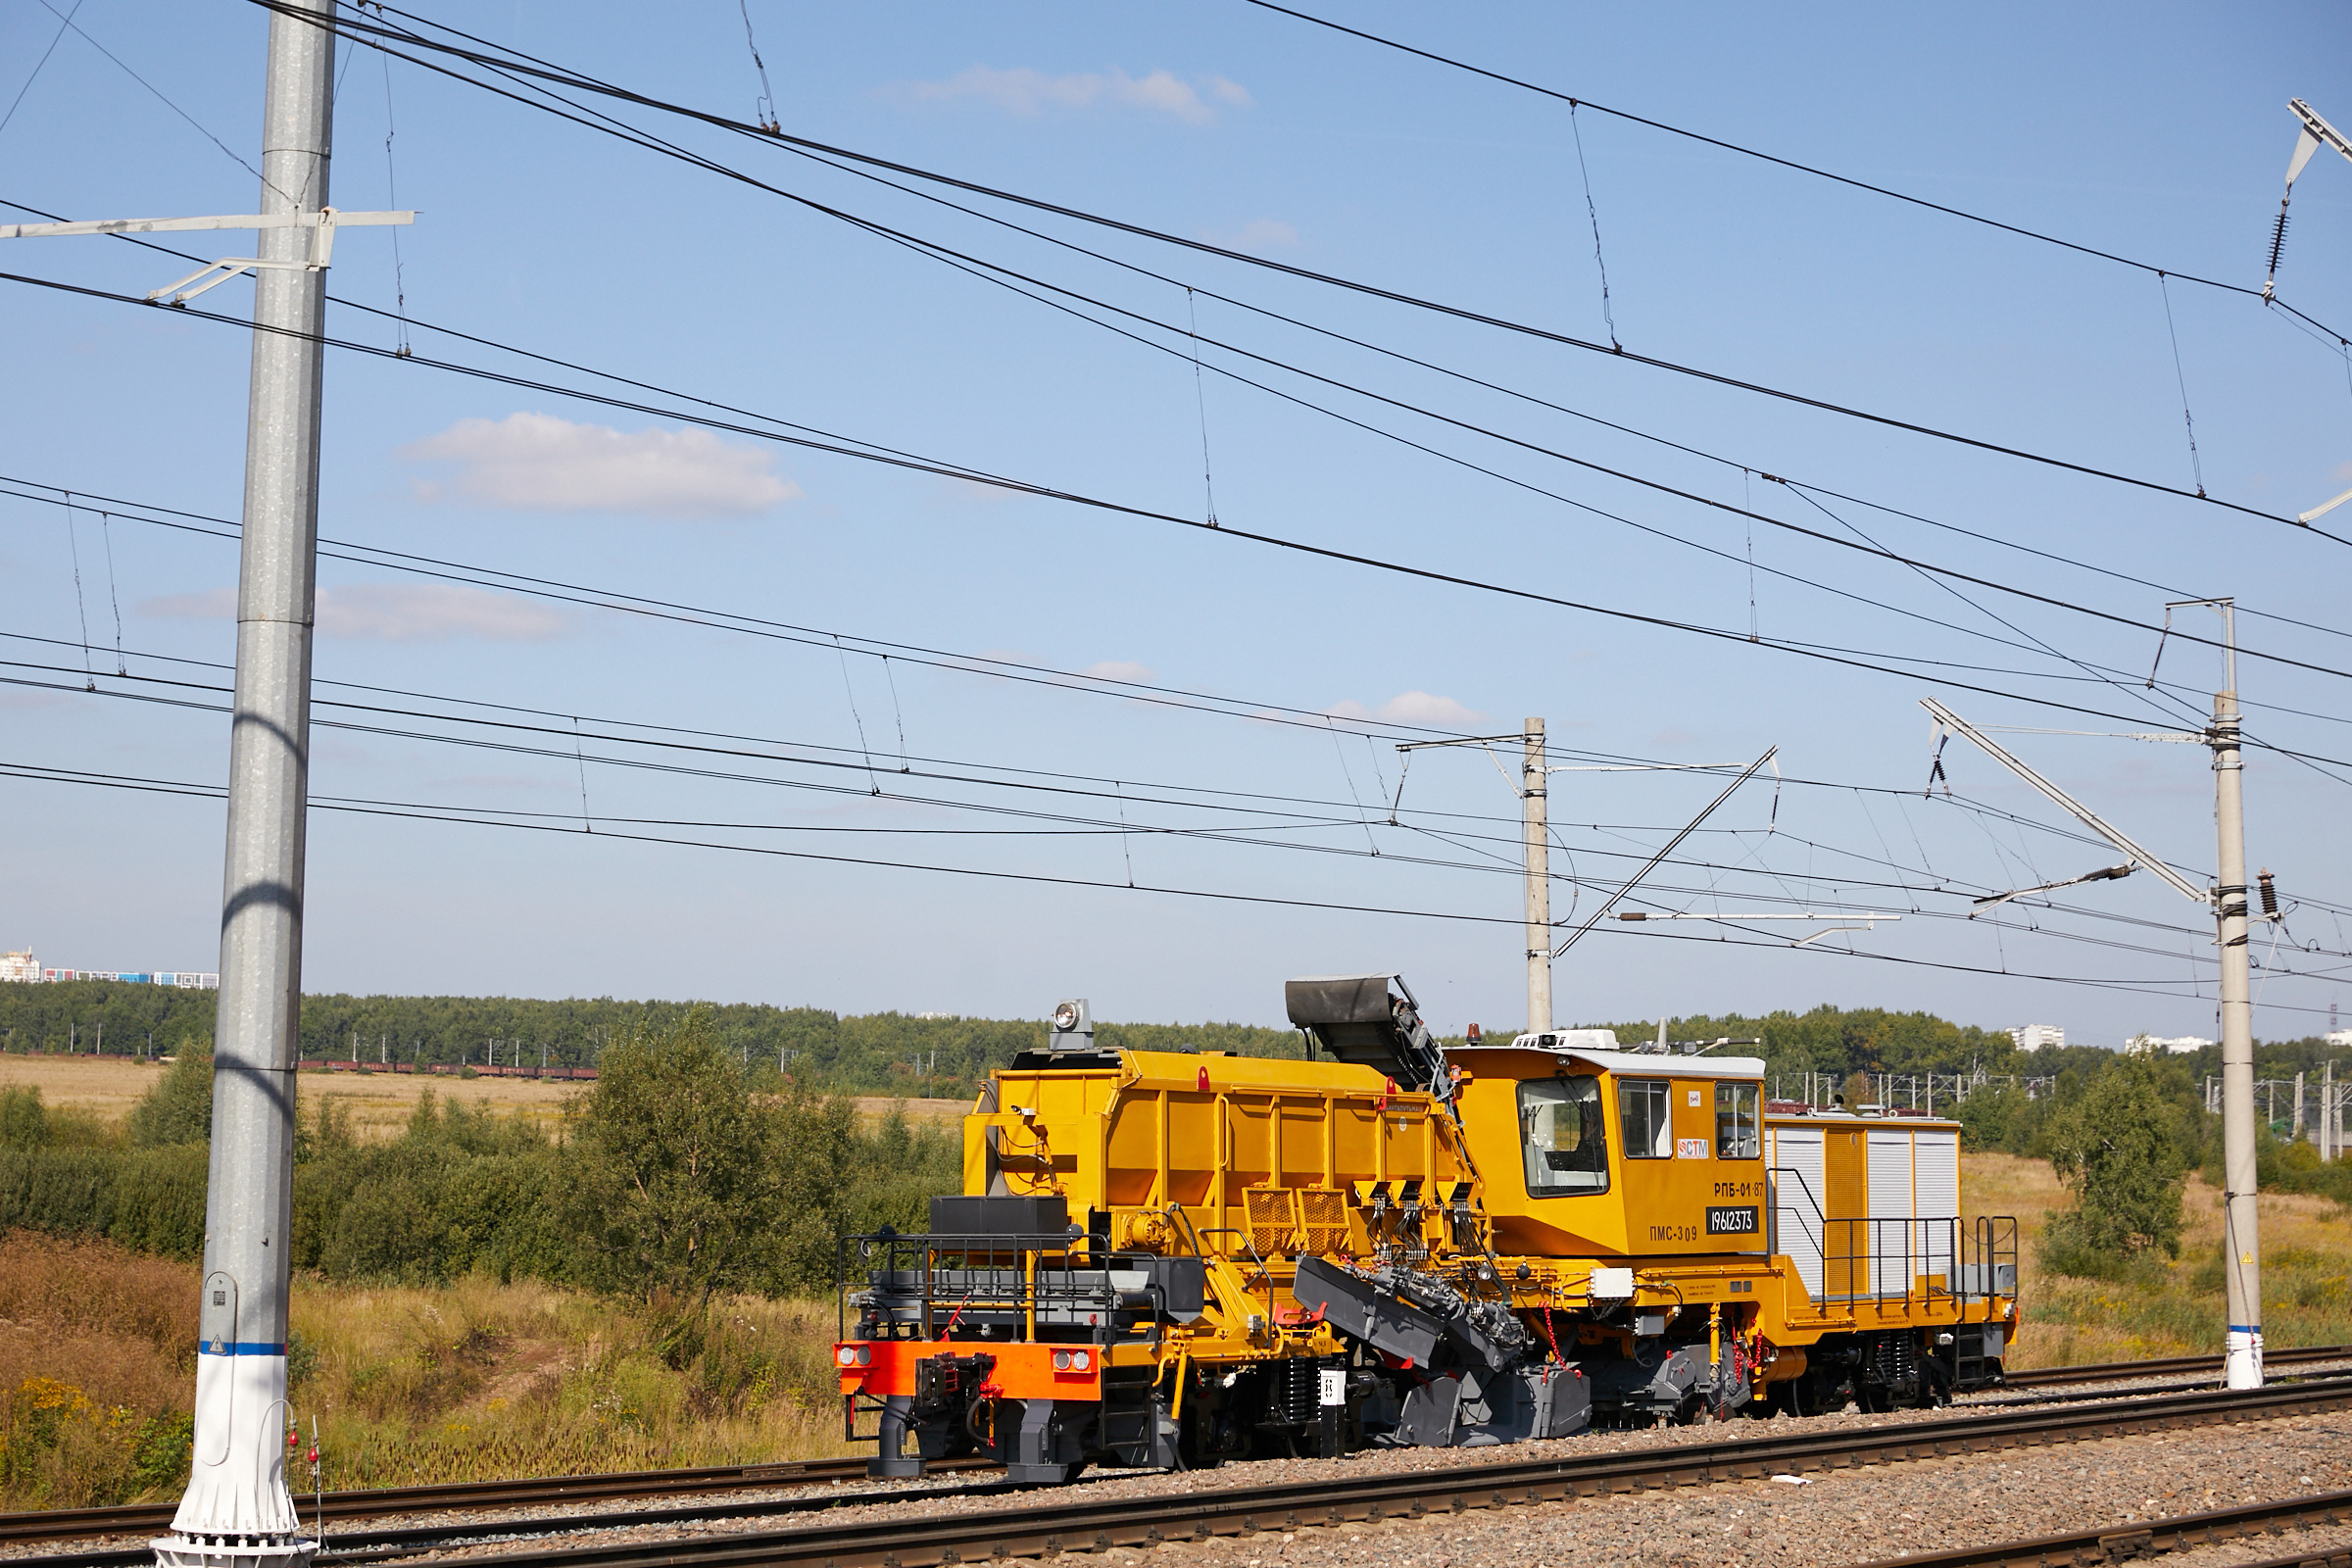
(1065, 1016)
(847, 1355)
(1080, 1361)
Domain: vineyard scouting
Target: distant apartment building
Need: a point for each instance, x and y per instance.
(24, 969)
(2175, 1045)
(2034, 1036)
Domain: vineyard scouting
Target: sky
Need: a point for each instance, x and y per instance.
(781, 723)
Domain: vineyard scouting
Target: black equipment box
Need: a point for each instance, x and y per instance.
(1001, 1217)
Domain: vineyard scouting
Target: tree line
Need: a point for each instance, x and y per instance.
(899, 1054)
(676, 1176)
(872, 1054)
(686, 1172)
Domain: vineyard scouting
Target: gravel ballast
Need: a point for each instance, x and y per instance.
(1836, 1517)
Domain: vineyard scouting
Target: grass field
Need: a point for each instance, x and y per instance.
(471, 1381)
(478, 1378)
(378, 1103)
(2161, 1306)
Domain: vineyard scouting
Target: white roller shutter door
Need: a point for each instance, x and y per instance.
(1935, 1162)
(1797, 1187)
(1893, 1247)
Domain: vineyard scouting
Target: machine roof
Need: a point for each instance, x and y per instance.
(1650, 1062)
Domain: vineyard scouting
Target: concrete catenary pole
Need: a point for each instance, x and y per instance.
(1533, 781)
(2329, 1111)
(2241, 1240)
(237, 1508)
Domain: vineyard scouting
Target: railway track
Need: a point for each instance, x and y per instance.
(342, 1507)
(2150, 1538)
(1044, 1523)
(2168, 1367)
(387, 1502)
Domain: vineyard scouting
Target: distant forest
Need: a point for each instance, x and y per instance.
(897, 1054)
(876, 1054)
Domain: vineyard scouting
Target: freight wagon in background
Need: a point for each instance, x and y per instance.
(1170, 1258)
(448, 1069)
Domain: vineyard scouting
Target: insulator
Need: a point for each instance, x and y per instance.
(2270, 896)
(2278, 238)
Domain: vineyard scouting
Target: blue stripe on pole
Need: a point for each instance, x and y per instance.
(241, 1347)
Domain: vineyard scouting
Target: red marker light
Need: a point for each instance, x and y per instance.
(1203, 1085)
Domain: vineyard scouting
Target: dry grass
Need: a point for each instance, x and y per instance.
(474, 1381)
(378, 1103)
(2163, 1306)
(480, 1379)
(873, 1108)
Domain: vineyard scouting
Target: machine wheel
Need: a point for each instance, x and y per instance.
(1200, 1438)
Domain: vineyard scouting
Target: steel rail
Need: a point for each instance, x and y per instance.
(69, 1524)
(2166, 1366)
(1044, 1524)
(2109, 1544)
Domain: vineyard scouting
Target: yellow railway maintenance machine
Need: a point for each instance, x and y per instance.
(1166, 1259)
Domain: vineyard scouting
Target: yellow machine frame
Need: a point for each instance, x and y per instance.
(1260, 1167)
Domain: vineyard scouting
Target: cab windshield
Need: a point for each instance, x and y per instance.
(1560, 1131)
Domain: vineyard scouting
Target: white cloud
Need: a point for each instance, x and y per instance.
(394, 613)
(213, 603)
(1125, 670)
(1257, 234)
(538, 463)
(1424, 708)
(1028, 92)
(1411, 708)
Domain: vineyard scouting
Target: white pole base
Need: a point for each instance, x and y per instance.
(232, 1552)
(2244, 1367)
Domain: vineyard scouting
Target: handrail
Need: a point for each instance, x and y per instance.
(1029, 1275)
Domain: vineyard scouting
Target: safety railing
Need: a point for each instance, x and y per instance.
(1898, 1258)
(936, 1285)
(1894, 1259)
(1807, 1222)
(1988, 1258)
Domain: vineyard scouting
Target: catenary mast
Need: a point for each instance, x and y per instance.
(237, 1509)
(2240, 1238)
(1534, 779)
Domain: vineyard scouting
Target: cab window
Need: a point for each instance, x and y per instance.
(1645, 1105)
(1560, 1132)
(1738, 1133)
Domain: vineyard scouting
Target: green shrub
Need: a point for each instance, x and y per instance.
(23, 1121)
(178, 1109)
(2114, 1144)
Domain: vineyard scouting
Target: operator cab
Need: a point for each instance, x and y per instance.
(1590, 1149)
